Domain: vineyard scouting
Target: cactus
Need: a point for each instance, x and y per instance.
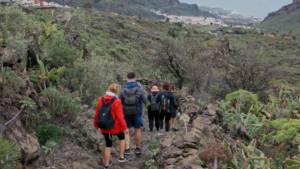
(47, 78)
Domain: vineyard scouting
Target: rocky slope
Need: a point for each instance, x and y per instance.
(287, 9)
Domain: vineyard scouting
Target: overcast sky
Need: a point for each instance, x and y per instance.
(257, 8)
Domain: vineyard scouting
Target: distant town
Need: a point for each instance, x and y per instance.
(37, 3)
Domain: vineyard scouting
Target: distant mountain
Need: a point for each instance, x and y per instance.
(141, 8)
(288, 9)
(284, 21)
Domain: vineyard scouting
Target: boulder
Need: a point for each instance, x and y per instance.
(174, 152)
(171, 161)
(178, 143)
(193, 159)
(10, 57)
(193, 136)
(86, 126)
(63, 18)
(26, 143)
(2, 127)
(166, 142)
(170, 167)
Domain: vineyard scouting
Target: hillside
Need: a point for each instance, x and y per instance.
(55, 64)
(284, 21)
(142, 8)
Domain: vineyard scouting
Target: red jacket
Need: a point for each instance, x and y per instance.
(117, 114)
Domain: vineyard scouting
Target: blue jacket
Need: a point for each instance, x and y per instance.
(140, 94)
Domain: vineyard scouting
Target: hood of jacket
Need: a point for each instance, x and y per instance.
(130, 85)
(167, 94)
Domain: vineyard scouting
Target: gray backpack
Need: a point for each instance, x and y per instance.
(130, 105)
(153, 105)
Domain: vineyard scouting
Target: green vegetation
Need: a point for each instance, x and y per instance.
(242, 96)
(49, 132)
(9, 155)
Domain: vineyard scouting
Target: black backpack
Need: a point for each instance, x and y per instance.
(130, 105)
(164, 104)
(153, 105)
(105, 119)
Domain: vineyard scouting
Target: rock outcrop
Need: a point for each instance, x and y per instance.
(204, 125)
(26, 143)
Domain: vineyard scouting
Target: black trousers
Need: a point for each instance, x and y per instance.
(108, 138)
(153, 116)
(166, 117)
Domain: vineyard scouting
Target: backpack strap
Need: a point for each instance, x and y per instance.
(137, 89)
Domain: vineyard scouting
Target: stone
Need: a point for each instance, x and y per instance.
(10, 57)
(170, 167)
(179, 164)
(186, 154)
(2, 127)
(77, 165)
(193, 136)
(191, 151)
(190, 99)
(171, 161)
(212, 110)
(166, 142)
(178, 143)
(193, 159)
(175, 152)
(26, 143)
(190, 144)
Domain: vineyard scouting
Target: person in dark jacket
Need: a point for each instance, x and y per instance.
(166, 116)
(131, 87)
(153, 109)
(174, 112)
(119, 129)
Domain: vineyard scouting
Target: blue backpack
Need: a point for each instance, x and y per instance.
(105, 119)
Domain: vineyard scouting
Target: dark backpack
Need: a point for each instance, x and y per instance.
(164, 104)
(153, 105)
(105, 119)
(130, 105)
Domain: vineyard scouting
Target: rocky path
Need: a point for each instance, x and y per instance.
(74, 154)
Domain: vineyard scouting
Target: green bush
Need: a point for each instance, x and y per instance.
(58, 52)
(9, 155)
(113, 51)
(49, 132)
(62, 105)
(250, 97)
(13, 81)
(289, 130)
(124, 50)
(90, 78)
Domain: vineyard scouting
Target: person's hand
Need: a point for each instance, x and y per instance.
(127, 131)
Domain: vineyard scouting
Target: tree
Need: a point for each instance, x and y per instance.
(87, 5)
(168, 20)
(248, 69)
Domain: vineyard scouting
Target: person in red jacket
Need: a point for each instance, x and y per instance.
(120, 127)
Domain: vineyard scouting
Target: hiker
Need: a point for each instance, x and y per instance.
(110, 119)
(174, 111)
(153, 109)
(132, 97)
(167, 104)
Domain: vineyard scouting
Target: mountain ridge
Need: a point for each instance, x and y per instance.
(287, 9)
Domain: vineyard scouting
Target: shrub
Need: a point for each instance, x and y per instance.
(249, 96)
(13, 81)
(90, 78)
(62, 105)
(124, 50)
(49, 132)
(58, 52)
(290, 130)
(9, 155)
(113, 51)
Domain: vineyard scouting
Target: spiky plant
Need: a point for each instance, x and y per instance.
(9, 155)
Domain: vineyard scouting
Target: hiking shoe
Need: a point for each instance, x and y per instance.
(110, 164)
(175, 129)
(122, 160)
(127, 152)
(166, 134)
(137, 151)
(160, 133)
